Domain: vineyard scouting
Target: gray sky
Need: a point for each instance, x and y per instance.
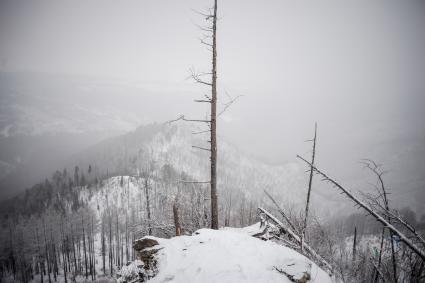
(355, 67)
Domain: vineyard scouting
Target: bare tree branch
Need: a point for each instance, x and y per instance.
(201, 132)
(182, 118)
(280, 210)
(202, 148)
(361, 204)
(207, 16)
(294, 236)
(193, 182)
(229, 103)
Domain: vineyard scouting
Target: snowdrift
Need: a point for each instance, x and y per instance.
(230, 255)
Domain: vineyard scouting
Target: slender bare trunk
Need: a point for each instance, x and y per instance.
(354, 243)
(176, 219)
(214, 204)
(46, 252)
(148, 206)
(310, 181)
(84, 249)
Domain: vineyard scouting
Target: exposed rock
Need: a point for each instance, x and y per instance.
(148, 258)
(147, 254)
(144, 243)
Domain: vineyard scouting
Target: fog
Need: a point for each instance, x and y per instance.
(354, 67)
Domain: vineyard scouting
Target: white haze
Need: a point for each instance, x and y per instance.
(355, 67)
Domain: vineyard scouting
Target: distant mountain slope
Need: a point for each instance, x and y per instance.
(46, 118)
(26, 160)
(160, 145)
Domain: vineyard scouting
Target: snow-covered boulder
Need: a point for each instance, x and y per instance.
(230, 255)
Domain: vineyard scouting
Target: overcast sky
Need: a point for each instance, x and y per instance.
(355, 67)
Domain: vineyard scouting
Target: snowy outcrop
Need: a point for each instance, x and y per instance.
(230, 255)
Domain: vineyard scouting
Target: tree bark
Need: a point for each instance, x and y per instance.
(214, 204)
(84, 248)
(354, 243)
(310, 181)
(46, 252)
(148, 207)
(176, 219)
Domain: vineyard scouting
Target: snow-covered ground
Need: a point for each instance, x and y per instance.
(231, 255)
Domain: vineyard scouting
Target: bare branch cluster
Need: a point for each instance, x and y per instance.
(229, 103)
(420, 252)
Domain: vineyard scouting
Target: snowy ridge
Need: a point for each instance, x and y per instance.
(236, 170)
(231, 255)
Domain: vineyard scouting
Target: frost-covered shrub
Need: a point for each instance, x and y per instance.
(132, 272)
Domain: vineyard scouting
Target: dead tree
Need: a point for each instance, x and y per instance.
(214, 204)
(281, 211)
(103, 247)
(84, 248)
(93, 251)
(395, 216)
(46, 251)
(354, 243)
(176, 219)
(369, 210)
(148, 207)
(111, 270)
(309, 188)
(382, 192)
(210, 40)
(318, 258)
(39, 255)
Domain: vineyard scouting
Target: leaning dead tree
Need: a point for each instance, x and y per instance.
(280, 211)
(418, 251)
(309, 187)
(396, 218)
(294, 237)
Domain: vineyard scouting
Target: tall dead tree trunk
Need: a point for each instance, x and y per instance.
(46, 252)
(93, 250)
(126, 235)
(176, 218)
(73, 251)
(39, 256)
(116, 247)
(110, 244)
(354, 243)
(63, 246)
(310, 181)
(103, 245)
(84, 248)
(391, 237)
(211, 29)
(148, 206)
(381, 248)
(214, 204)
